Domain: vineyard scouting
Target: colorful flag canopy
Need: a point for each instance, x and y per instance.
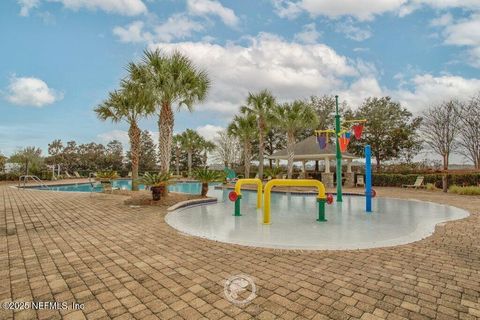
(322, 141)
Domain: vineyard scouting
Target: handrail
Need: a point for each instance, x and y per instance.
(321, 196)
(25, 178)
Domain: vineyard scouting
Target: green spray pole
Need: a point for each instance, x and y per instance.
(339, 153)
(237, 206)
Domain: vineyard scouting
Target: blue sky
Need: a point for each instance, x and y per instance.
(61, 57)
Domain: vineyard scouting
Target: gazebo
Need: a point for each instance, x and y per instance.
(309, 150)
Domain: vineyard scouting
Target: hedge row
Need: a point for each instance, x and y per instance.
(397, 180)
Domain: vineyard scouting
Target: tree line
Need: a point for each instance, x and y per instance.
(162, 81)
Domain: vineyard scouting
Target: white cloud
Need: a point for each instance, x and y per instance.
(361, 10)
(119, 135)
(286, 9)
(133, 32)
(215, 8)
(30, 91)
(309, 34)
(446, 4)
(443, 20)
(351, 31)
(464, 33)
(429, 90)
(209, 131)
(26, 6)
(122, 7)
(178, 26)
(335, 9)
(290, 69)
(361, 89)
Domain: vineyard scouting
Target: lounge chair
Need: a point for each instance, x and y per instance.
(77, 175)
(129, 174)
(360, 182)
(418, 183)
(69, 176)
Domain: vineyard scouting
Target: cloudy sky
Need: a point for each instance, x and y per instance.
(61, 57)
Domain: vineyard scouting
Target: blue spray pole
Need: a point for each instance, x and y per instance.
(368, 179)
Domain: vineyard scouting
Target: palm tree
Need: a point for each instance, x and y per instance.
(207, 146)
(260, 105)
(291, 118)
(206, 176)
(177, 149)
(132, 102)
(244, 127)
(190, 141)
(175, 79)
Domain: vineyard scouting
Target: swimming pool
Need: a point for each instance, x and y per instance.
(126, 184)
(392, 222)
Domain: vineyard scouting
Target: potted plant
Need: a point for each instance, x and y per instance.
(106, 177)
(157, 183)
(206, 176)
(274, 172)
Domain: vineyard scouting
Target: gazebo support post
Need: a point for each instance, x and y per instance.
(349, 175)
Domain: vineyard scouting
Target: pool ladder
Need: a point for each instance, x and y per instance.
(36, 179)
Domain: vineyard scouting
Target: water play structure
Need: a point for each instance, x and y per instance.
(236, 195)
(321, 196)
(342, 139)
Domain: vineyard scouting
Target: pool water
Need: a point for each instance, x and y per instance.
(294, 225)
(126, 184)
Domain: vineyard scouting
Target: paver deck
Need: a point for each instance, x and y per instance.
(127, 263)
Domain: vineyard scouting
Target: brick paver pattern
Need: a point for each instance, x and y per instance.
(127, 263)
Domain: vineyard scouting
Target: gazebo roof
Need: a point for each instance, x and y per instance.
(309, 149)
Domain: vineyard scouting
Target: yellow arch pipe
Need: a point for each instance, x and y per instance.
(258, 182)
(289, 183)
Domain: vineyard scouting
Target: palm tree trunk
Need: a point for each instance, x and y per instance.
(189, 156)
(261, 147)
(165, 127)
(204, 189)
(290, 145)
(247, 156)
(134, 133)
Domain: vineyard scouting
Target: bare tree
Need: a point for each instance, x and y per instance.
(440, 130)
(226, 148)
(469, 130)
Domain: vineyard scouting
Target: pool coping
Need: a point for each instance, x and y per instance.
(191, 203)
(48, 185)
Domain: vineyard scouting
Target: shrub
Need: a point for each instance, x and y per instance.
(397, 180)
(430, 187)
(470, 190)
(9, 176)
